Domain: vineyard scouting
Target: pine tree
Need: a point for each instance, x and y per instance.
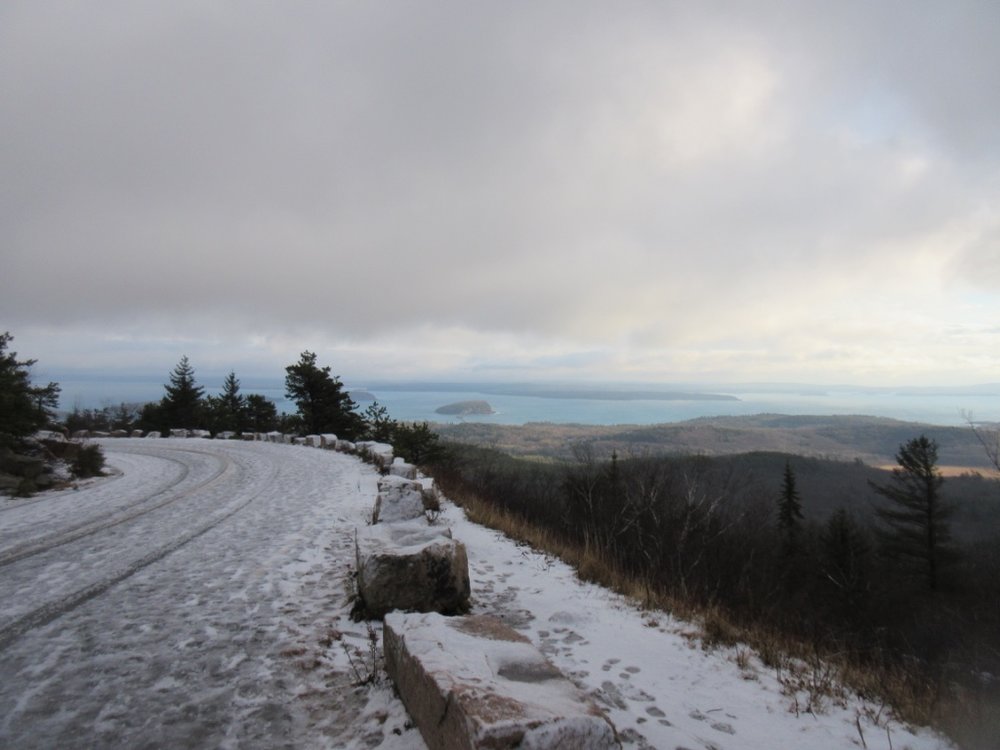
(323, 404)
(789, 510)
(378, 424)
(181, 406)
(917, 530)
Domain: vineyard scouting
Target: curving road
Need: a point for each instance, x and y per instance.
(157, 607)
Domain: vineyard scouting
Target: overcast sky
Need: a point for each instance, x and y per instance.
(672, 191)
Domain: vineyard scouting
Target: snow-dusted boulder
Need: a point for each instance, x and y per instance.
(200, 434)
(137, 433)
(346, 446)
(153, 434)
(400, 468)
(328, 440)
(379, 453)
(473, 682)
(274, 437)
(225, 435)
(119, 433)
(399, 499)
(178, 433)
(410, 566)
(81, 434)
(296, 440)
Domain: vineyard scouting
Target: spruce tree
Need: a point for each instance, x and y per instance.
(917, 531)
(789, 510)
(181, 406)
(232, 404)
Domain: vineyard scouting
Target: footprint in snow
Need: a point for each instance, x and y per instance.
(611, 696)
(606, 667)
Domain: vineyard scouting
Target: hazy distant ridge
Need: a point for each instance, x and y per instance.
(562, 391)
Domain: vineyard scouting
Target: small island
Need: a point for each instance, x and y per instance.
(465, 408)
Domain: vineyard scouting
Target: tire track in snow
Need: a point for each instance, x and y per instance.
(116, 518)
(50, 611)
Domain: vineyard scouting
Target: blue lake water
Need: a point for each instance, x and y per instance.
(943, 408)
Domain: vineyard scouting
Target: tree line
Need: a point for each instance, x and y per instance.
(323, 405)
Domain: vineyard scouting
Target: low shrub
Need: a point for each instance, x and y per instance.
(89, 461)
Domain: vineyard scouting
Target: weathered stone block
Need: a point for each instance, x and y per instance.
(410, 566)
(473, 682)
(178, 433)
(328, 440)
(153, 434)
(400, 468)
(399, 499)
(379, 453)
(137, 433)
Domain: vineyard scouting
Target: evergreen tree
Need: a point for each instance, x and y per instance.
(378, 424)
(417, 443)
(916, 520)
(181, 407)
(845, 561)
(232, 404)
(323, 404)
(23, 408)
(260, 413)
(789, 510)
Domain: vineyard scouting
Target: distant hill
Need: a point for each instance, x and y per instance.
(873, 440)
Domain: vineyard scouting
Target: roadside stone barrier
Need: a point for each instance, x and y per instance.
(474, 682)
(400, 499)
(410, 566)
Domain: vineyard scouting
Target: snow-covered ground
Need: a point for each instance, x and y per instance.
(200, 596)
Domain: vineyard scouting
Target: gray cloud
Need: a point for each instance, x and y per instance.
(572, 171)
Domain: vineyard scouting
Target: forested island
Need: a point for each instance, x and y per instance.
(466, 408)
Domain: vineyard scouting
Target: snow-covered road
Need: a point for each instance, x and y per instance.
(200, 598)
(165, 606)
